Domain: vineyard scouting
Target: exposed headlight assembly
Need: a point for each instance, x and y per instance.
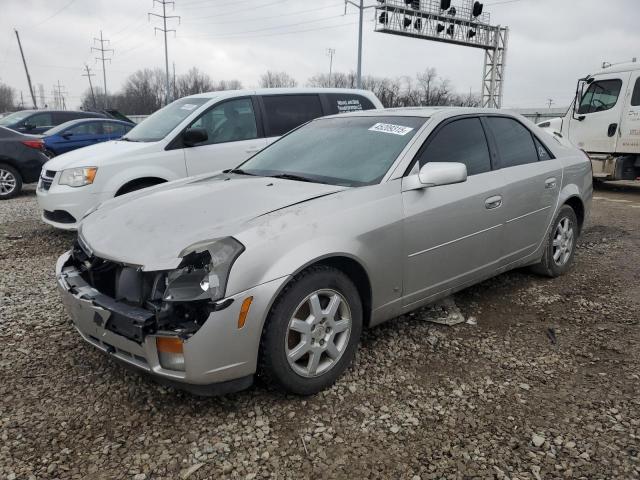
(78, 177)
(203, 272)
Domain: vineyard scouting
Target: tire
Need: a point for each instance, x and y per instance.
(326, 335)
(134, 187)
(10, 182)
(551, 266)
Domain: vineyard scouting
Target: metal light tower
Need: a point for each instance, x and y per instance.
(102, 51)
(464, 25)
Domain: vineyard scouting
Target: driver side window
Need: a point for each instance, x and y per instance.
(600, 96)
(231, 121)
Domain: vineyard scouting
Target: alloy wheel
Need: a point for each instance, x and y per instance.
(318, 333)
(563, 239)
(7, 182)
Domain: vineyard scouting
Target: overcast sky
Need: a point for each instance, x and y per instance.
(551, 43)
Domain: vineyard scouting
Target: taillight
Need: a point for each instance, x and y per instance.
(37, 144)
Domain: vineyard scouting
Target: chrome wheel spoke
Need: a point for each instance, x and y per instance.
(313, 362)
(341, 325)
(332, 350)
(334, 305)
(314, 306)
(300, 326)
(299, 351)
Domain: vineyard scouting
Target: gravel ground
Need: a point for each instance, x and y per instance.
(545, 385)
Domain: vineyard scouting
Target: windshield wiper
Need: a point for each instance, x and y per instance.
(239, 171)
(290, 176)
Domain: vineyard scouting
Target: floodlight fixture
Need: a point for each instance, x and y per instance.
(477, 9)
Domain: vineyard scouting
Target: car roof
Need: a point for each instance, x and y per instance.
(93, 119)
(425, 112)
(278, 91)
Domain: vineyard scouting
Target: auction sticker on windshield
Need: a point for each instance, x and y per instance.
(189, 106)
(390, 128)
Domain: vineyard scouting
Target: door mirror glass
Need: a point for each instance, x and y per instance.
(194, 136)
(433, 174)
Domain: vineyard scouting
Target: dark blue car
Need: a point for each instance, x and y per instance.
(81, 133)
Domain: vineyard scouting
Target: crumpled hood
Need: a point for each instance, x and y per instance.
(151, 227)
(96, 155)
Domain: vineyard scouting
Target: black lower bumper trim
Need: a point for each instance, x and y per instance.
(210, 390)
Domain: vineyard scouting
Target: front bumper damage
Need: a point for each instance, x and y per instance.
(219, 357)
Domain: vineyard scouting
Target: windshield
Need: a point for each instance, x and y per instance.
(351, 151)
(157, 126)
(14, 118)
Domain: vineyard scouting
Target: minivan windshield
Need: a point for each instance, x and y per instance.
(350, 151)
(14, 117)
(158, 125)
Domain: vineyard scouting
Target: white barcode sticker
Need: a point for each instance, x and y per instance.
(189, 106)
(390, 128)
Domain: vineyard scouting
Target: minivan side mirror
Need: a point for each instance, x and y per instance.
(433, 174)
(193, 136)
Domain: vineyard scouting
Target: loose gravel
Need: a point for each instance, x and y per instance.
(540, 381)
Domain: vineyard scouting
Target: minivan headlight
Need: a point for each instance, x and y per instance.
(203, 272)
(78, 177)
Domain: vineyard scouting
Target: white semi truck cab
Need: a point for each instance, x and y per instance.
(604, 121)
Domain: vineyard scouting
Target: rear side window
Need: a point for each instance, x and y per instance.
(635, 97)
(347, 102)
(543, 152)
(514, 141)
(286, 112)
(461, 141)
(109, 128)
(92, 128)
(40, 120)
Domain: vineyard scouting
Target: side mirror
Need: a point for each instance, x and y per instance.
(433, 174)
(67, 135)
(29, 126)
(194, 136)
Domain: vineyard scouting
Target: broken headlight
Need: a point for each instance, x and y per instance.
(203, 272)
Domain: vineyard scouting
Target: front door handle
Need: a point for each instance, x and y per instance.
(493, 202)
(550, 183)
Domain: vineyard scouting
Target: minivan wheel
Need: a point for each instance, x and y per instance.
(10, 182)
(561, 244)
(312, 332)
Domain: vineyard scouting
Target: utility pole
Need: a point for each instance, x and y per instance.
(89, 75)
(164, 18)
(59, 95)
(21, 100)
(175, 90)
(361, 7)
(26, 70)
(330, 53)
(102, 51)
(549, 102)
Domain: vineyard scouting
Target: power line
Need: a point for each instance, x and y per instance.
(102, 51)
(164, 30)
(55, 14)
(275, 27)
(260, 19)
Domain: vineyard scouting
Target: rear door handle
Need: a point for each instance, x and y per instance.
(550, 183)
(493, 202)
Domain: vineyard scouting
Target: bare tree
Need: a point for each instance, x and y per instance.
(7, 98)
(192, 82)
(272, 79)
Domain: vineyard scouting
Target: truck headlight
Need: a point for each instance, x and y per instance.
(203, 272)
(78, 177)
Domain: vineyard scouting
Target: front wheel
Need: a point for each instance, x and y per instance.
(312, 332)
(10, 182)
(561, 244)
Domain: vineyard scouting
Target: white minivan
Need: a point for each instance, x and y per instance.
(196, 134)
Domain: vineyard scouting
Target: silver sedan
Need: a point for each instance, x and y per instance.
(273, 269)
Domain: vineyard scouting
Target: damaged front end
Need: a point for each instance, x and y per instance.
(142, 303)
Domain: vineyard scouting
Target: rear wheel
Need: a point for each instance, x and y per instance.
(312, 332)
(10, 182)
(561, 244)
